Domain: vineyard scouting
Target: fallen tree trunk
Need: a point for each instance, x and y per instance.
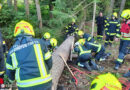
(58, 63)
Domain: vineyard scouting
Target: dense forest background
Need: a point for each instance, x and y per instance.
(53, 15)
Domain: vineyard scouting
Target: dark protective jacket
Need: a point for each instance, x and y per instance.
(100, 20)
(113, 28)
(29, 62)
(2, 61)
(71, 29)
(88, 38)
(94, 47)
(81, 49)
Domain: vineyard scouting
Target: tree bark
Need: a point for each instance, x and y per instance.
(9, 3)
(93, 23)
(26, 2)
(58, 63)
(39, 13)
(111, 7)
(51, 8)
(122, 6)
(15, 5)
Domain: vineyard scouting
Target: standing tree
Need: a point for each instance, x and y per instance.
(122, 6)
(39, 13)
(27, 8)
(94, 13)
(111, 7)
(15, 5)
(51, 7)
(9, 3)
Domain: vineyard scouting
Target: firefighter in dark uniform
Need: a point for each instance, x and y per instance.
(100, 25)
(72, 28)
(28, 60)
(125, 39)
(112, 29)
(85, 57)
(46, 38)
(87, 36)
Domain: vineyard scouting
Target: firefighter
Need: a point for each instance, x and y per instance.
(106, 82)
(52, 46)
(86, 36)
(46, 38)
(98, 49)
(85, 56)
(125, 38)
(28, 60)
(112, 29)
(100, 21)
(72, 28)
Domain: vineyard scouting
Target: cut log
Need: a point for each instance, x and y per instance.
(58, 63)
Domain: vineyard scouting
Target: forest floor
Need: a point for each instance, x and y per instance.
(84, 80)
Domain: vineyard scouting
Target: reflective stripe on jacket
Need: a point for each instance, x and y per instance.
(125, 31)
(113, 28)
(81, 49)
(27, 61)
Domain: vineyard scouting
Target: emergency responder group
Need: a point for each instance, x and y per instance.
(29, 60)
(86, 45)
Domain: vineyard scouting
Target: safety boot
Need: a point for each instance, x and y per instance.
(80, 64)
(87, 66)
(127, 74)
(96, 67)
(117, 65)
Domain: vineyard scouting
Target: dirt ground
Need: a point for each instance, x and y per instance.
(84, 81)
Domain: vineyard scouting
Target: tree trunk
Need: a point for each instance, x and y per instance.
(93, 23)
(9, 3)
(39, 13)
(111, 7)
(50, 8)
(15, 5)
(26, 2)
(58, 63)
(81, 26)
(122, 6)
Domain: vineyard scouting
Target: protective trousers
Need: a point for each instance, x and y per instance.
(100, 30)
(109, 40)
(124, 45)
(100, 53)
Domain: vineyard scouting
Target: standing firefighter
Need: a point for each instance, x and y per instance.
(112, 29)
(100, 21)
(72, 28)
(125, 38)
(28, 60)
